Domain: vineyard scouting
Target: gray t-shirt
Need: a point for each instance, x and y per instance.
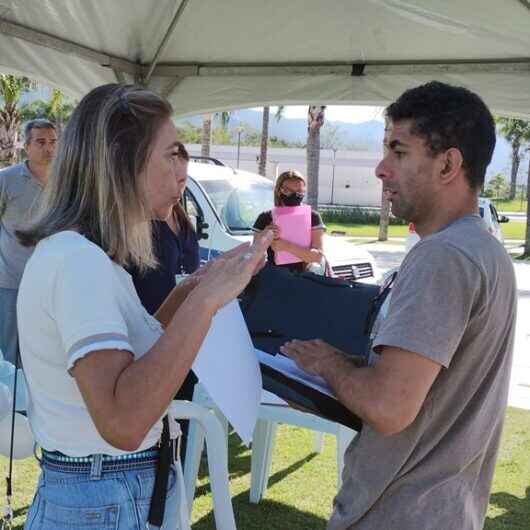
(454, 302)
(19, 194)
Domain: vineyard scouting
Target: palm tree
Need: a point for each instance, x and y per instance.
(224, 118)
(264, 143)
(526, 253)
(514, 131)
(315, 121)
(206, 137)
(262, 166)
(11, 90)
(59, 110)
(56, 109)
(384, 218)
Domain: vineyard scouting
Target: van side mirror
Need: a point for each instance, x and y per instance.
(201, 227)
(504, 219)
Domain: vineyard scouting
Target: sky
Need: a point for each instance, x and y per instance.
(344, 113)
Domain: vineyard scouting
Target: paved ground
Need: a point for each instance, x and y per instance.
(389, 256)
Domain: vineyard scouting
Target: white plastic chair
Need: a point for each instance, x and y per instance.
(269, 416)
(264, 440)
(211, 430)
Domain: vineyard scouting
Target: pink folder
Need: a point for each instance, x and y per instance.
(295, 226)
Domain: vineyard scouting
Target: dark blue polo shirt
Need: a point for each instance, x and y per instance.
(176, 254)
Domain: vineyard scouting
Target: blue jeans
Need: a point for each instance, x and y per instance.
(117, 500)
(8, 324)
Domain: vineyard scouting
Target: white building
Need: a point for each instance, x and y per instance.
(350, 180)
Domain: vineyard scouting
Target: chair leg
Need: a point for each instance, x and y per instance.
(261, 459)
(214, 434)
(194, 448)
(184, 514)
(224, 423)
(344, 437)
(318, 444)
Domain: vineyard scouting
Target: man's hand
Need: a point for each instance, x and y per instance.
(313, 356)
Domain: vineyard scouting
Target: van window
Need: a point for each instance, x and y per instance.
(192, 209)
(239, 201)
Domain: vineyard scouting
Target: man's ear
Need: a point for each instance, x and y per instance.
(452, 163)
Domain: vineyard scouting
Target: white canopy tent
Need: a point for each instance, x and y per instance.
(207, 55)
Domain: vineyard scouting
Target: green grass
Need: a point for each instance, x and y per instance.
(509, 507)
(511, 230)
(302, 484)
(366, 230)
(504, 205)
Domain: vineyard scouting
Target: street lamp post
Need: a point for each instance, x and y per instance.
(239, 131)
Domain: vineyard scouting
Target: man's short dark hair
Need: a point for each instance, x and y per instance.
(447, 116)
(39, 123)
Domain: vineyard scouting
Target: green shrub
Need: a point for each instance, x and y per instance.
(348, 215)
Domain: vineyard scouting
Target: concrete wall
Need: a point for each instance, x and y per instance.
(352, 175)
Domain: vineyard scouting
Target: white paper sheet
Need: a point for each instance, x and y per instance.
(227, 367)
(289, 368)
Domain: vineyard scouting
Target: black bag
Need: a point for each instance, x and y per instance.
(280, 305)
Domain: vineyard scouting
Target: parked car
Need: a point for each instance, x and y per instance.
(223, 204)
(487, 211)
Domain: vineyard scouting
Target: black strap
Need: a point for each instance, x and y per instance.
(158, 499)
(9, 478)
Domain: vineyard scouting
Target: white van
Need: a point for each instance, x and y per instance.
(223, 204)
(492, 219)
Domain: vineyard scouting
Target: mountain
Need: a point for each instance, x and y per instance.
(368, 134)
(365, 136)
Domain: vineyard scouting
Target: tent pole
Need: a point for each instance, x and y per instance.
(168, 89)
(119, 76)
(165, 40)
(65, 46)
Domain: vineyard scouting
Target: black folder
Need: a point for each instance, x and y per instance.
(307, 398)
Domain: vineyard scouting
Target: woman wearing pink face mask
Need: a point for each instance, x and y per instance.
(289, 190)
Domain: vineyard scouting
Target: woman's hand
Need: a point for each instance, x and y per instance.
(275, 229)
(196, 276)
(280, 244)
(229, 274)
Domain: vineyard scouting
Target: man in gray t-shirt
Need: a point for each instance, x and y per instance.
(433, 403)
(20, 188)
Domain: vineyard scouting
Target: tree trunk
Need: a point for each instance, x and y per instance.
(262, 167)
(315, 120)
(9, 126)
(516, 159)
(206, 137)
(527, 238)
(384, 218)
(313, 164)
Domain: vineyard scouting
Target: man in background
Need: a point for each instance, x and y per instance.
(20, 188)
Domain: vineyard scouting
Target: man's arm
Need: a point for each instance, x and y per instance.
(387, 396)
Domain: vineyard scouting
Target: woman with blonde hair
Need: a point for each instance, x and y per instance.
(176, 248)
(289, 190)
(101, 370)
